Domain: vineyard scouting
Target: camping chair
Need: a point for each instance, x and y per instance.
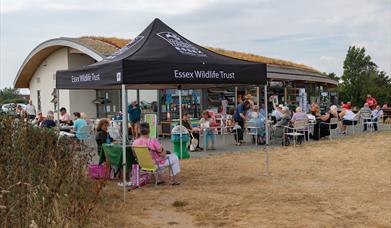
(333, 122)
(300, 127)
(147, 163)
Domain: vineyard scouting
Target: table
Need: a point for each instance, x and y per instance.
(113, 153)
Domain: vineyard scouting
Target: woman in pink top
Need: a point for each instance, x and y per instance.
(161, 157)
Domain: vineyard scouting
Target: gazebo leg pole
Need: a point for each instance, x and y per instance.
(124, 137)
(267, 133)
(58, 108)
(180, 120)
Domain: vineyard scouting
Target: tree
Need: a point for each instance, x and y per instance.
(361, 77)
(332, 76)
(8, 94)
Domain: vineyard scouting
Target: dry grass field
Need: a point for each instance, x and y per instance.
(340, 183)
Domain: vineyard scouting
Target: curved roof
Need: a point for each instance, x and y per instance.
(99, 47)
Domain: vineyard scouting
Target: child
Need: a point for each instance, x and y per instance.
(205, 124)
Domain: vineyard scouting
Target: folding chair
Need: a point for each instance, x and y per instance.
(147, 163)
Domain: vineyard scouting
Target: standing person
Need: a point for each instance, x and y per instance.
(376, 114)
(209, 133)
(372, 103)
(30, 110)
(102, 135)
(240, 116)
(224, 105)
(134, 111)
(78, 123)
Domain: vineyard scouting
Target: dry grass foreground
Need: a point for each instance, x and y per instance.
(339, 183)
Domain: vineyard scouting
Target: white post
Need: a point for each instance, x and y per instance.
(124, 137)
(267, 133)
(236, 96)
(258, 103)
(180, 119)
(58, 108)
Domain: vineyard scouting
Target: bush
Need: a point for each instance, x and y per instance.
(43, 179)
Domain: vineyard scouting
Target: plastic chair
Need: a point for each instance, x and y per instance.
(299, 128)
(146, 161)
(333, 122)
(83, 135)
(252, 129)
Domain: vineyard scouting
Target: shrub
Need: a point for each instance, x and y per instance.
(43, 179)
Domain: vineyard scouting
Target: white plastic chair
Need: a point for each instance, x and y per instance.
(300, 127)
(333, 121)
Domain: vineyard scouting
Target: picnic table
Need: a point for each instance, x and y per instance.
(112, 153)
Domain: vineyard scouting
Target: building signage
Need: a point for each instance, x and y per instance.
(88, 77)
(201, 74)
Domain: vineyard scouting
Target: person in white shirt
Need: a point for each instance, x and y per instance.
(30, 110)
(277, 112)
(347, 117)
(376, 114)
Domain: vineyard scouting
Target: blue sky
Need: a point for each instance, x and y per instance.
(313, 32)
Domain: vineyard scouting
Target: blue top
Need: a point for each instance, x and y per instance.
(48, 123)
(239, 110)
(78, 124)
(134, 113)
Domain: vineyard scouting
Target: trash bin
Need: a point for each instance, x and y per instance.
(176, 140)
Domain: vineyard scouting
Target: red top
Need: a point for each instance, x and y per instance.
(371, 102)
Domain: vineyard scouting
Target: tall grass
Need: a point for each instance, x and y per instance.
(43, 181)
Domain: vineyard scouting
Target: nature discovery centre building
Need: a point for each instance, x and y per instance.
(293, 83)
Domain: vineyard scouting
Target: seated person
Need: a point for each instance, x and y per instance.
(64, 117)
(284, 121)
(320, 130)
(78, 124)
(259, 120)
(161, 157)
(376, 114)
(102, 135)
(38, 119)
(205, 123)
(194, 131)
(347, 117)
(366, 115)
(277, 113)
(299, 115)
(49, 121)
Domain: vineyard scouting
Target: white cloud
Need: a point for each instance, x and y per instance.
(172, 7)
(316, 33)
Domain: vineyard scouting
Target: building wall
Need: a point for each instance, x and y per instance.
(44, 80)
(81, 100)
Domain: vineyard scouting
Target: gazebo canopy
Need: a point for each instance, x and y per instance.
(161, 58)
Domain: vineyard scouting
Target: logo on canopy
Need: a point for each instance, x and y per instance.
(125, 48)
(180, 44)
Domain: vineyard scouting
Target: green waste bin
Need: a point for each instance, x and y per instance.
(176, 140)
